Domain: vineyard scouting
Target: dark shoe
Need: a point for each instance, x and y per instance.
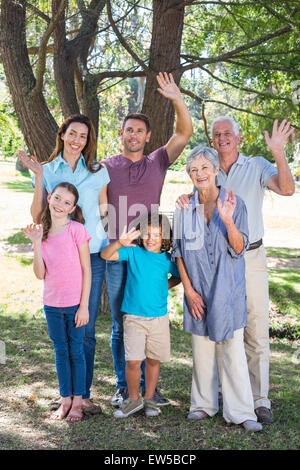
(91, 409)
(159, 399)
(264, 415)
(120, 396)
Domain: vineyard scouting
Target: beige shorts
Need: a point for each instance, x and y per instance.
(146, 337)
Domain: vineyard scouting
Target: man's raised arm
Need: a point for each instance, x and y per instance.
(184, 126)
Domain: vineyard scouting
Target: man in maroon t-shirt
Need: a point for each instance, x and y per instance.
(135, 186)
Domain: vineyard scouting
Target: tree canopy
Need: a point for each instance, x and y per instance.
(101, 57)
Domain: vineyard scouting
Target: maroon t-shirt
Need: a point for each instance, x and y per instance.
(133, 188)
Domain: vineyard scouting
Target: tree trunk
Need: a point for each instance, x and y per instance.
(37, 124)
(64, 61)
(164, 57)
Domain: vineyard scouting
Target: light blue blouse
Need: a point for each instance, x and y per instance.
(215, 270)
(89, 186)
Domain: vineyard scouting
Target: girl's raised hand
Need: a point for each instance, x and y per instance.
(226, 210)
(127, 238)
(30, 162)
(34, 232)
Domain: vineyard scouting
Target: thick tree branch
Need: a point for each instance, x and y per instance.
(263, 67)
(179, 6)
(122, 39)
(277, 15)
(43, 47)
(205, 124)
(228, 55)
(248, 111)
(40, 13)
(248, 90)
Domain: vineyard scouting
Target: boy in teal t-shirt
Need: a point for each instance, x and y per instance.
(146, 321)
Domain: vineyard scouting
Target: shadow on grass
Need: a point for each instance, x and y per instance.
(20, 186)
(25, 398)
(283, 252)
(284, 293)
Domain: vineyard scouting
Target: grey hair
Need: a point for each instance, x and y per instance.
(235, 125)
(205, 152)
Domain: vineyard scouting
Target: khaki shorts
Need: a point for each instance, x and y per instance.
(146, 337)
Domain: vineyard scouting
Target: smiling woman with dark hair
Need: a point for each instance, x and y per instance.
(210, 238)
(73, 161)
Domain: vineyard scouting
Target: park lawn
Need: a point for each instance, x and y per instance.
(29, 385)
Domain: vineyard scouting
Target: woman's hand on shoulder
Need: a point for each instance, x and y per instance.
(31, 163)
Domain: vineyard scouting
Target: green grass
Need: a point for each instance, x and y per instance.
(20, 186)
(18, 238)
(24, 261)
(29, 383)
(284, 287)
(283, 252)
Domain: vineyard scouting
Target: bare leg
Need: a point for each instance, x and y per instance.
(151, 375)
(133, 375)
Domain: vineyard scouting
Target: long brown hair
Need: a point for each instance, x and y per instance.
(76, 214)
(90, 148)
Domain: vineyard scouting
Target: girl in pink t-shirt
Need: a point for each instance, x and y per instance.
(62, 260)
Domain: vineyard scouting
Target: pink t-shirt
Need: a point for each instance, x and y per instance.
(63, 278)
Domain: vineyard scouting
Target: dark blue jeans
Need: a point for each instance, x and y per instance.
(116, 272)
(68, 346)
(98, 273)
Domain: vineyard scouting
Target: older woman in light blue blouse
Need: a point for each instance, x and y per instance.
(210, 238)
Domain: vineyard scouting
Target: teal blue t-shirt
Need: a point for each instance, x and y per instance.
(146, 289)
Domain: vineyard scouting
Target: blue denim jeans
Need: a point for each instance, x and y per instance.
(68, 346)
(116, 272)
(98, 273)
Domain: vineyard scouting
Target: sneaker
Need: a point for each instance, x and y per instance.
(151, 408)
(129, 407)
(264, 415)
(120, 395)
(253, 426)
(159, 399)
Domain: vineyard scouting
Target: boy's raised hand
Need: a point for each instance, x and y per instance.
(34, 232)
(126, 238)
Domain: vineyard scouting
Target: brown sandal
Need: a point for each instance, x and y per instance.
(61, 412)
(75, 414)
(92, 409)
